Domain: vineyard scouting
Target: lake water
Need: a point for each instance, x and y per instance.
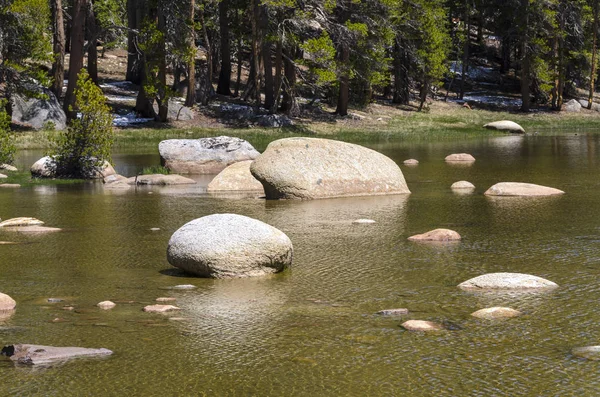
(312, 330)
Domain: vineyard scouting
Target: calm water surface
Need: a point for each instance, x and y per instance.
(311, 331)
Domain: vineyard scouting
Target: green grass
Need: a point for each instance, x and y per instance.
(156, 169)
(25, 179)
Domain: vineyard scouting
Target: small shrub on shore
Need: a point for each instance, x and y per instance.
(7, 146)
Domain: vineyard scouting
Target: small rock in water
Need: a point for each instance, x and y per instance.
(155, 229)
(421, 325)
(10, 185)
(364, 221)
(2, 176)
(521, 190)
(507, 281)
(160, 308)
(393, 312)
(491, 313)
(106, 305)
(184, 286)
(6, 302)
(587, 352)
(460, 157)
(36, 354)
(166, 299)
(54, 300)
(68, 308)
(8, 167)
(462, 185)
(411, 162)
(437, 235)
(23, 221)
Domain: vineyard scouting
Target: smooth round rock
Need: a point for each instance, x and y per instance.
(492, 313)
(393, 312)
(587, 352)
(160, 308)
(462, 185)
(521, 189)
(504, 125)
(363, 221)
(314, 168)
(507, 281)
(106, 305)
(236, 177)
(411, 162)
(437, 235)
(6, 302)
(422, 326)
(229, 245)
(14, 222)
(460, 157)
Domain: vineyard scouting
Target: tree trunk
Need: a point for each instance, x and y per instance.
(190, 98)
(401, 81)
(344, 94)
(278, 70)
(240, 64)
(225, 73)
(209, 66)
(255, 70)
(505, 65)
(58, 66)
(76, 59)
(134, 59)
(163, 100)
(526, 58)
(144, 105)
(92, 43)
(288, 101)
(465, 60)
(423, 94)
(594, 50)
(266, 58)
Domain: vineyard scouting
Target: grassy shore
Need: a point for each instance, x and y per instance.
(443, 121)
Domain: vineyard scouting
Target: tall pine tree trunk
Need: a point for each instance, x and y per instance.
(266, 59)
(225, 73)
(401, 81)
(209, 65)
(594, 51)
(525, 57)
(278, 71)
(58, 66)
(344, 94)
(255, 70)
(163, 101)
(92, 33)
(190, 98)
(76, 58)
(465, 60)
(288, 100)
(134, 58)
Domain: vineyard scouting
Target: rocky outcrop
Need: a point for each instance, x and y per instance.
(160, 179)
(160, 308)
(37, 354)
(236, 177)
(177, 111)
(460, 158)
(440, 235)
(492, 313)
(46, 168)
(507, 281)
(312, 168)
(411, 162)
(229, 245)
(587, 352)
(39, 113)
(573, 106)
(6, 303)
(205, 155)
(505, 125)
(462, 185)
(521, 189)
(422, 326)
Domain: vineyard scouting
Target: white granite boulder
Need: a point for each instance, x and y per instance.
(236, 177)
(521, 189)
(440, 235)
(505, 125)
(460, 158)
(507, 281)
(46, 167)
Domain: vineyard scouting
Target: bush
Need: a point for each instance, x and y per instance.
(7, 146)
(156, 169)
(81, 151)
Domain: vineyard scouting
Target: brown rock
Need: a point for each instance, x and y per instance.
(437, 235)
(460, 157)
(236, 177)
(507, 281)
(420, 325)
(521, 189)
(462, 185)
(37, 354)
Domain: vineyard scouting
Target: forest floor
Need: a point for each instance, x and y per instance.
(490, 96)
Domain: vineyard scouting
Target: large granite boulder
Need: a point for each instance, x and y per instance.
(160, 179)
(507, 281)
(521, 189)
(312, 168)
(46, 168)
(39, 113)
(236, 177)
(229, 245)
(6, 303)
(37, 354)
(205, 155)
(177, 111)
(573, 106)
(505, 125)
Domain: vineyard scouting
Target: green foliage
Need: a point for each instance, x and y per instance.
(322, 58)
(156, 169)
(86, 144)
(7, 146)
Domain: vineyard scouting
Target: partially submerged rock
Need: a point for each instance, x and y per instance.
(521, 189)
(10, 185)
(422, 326)
(505, 125)
(462, 185)
(2, 176)
(37, 354)
(437, 235)
(363, 221)
(205, 155)
(507, 281)
(229, 245)
(460, 158)
(6, 303)
(106, 305)
(587, 352)
(33, 229)
(46, 167)
(411, 162)
(393, 312)
(23, 221)
(313, 168)
(160, 179)
(160, 308)
(8, 167)
(39, 112)
(236, 177)
(491, 313)
(165, 299)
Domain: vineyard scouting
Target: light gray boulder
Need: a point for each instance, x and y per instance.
(37, 354)
(23, 221)
(274, 120)
(46, 168)
(2, 176)
(39, 113)
(160, 179)
(584, 104)
(440, 235)
(505, 125)
(507, 281)
(493, 313)
(422, 326)
(572, 106)
(411, 162)
(460, 158)
(462, 185)
(160, 308)
(236, 177)
(521, 189)
(205, 155)
(229, 245)
(393, 312)
(8, 167)
(6, 303)
(312, 168)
